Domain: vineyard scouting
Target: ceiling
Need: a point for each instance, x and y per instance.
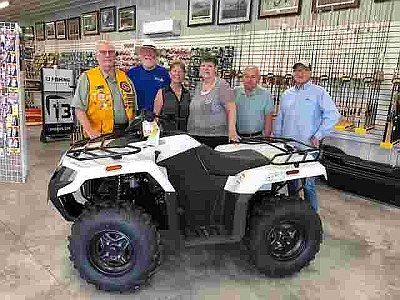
(14, 10)
(31, 9)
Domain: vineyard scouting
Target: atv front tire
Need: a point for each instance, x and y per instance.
(285, 236)
(115, 248)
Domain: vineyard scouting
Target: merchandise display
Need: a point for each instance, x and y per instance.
(126, 59)
(225, 59)
(11, 120)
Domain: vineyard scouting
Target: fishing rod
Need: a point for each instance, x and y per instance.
(367, 78)
(392, 122)
(323, 78)
(362, 30)
(377, 74)
(386, 21)
(355, 70)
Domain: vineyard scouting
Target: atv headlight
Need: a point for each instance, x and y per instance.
(66, 174)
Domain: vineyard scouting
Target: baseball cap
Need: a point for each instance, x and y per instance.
(149, 44)
(302, 62)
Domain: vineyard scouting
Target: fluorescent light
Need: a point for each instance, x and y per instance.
(4, 4)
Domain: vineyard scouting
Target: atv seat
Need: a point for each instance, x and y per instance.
(229, 163)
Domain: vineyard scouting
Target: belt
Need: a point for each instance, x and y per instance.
(120, 126)
(250, 134)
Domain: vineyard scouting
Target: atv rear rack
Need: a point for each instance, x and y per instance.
(97, 148)
(290, 149)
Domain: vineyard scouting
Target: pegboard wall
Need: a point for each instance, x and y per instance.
(355, 61)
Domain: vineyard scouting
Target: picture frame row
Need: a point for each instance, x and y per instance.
(90, 23)
(202, 12)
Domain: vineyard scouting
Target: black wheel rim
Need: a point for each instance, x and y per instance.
(286, 241)
(111, 252)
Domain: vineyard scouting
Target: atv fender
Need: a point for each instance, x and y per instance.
(95, 172)
(251, 181)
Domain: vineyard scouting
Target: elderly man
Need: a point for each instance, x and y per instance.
(254, 106)
(105, 99)
(308, 114)
(149, 77)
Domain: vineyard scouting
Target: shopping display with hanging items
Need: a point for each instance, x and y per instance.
(13, 165)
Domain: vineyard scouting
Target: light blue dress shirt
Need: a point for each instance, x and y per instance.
(306, 112)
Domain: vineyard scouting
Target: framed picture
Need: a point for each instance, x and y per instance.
(201, 12)
(270, 8)
(108, 19)
(28, 31)
(127, 18)
(90, 23)
(39, 31)
(326, 5)
(234, 11)
(50, 30)
(61, 30)
(74, 28)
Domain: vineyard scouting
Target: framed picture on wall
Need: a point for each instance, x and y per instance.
(61, 30)
(74, 28)
(234, 11)
(28, 31)
(270, 8)
(326, 5)
(108, 19)
(201, 12)
(127, 18)
(50, 30)
(90, 23)
(39, 31)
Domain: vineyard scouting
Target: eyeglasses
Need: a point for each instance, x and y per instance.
(105, 52)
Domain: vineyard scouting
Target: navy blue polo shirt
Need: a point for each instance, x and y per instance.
(147, 83)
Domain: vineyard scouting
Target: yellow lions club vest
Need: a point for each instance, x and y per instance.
(100, 110)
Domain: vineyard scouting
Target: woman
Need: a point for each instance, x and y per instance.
(173, 101)
(212, 117)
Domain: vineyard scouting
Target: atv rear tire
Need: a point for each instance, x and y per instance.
(285, 236)
(115, 248)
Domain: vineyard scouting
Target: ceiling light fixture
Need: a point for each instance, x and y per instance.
(4, 4)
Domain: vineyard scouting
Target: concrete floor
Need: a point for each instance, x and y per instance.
(360, 258)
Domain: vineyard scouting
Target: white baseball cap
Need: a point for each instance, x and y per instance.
(149, 44)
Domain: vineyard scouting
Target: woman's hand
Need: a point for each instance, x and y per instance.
(233, 136)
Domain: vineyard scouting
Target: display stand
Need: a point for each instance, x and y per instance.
(57, 92)
(13, 153)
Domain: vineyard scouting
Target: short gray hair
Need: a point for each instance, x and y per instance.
(253, 67)
(104, 42)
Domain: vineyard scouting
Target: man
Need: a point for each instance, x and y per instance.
(105, 99)
(308, 114)
(149, 77)
(254, 106)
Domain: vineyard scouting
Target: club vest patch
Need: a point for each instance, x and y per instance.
(125, 86)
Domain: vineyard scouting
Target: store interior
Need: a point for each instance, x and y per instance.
(354, 48)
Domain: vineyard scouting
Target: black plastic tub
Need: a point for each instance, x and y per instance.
(366, 178)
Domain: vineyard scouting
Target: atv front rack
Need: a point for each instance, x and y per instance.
(289, 148)
(101, 148)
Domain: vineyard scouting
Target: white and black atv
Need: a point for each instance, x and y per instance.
(126, 195)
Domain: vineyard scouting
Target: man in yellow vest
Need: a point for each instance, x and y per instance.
(105, 98)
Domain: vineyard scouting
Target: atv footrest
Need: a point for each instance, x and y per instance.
(205, 231)
(208, 235)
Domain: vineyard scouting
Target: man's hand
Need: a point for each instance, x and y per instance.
(93, 134)
(315, 142)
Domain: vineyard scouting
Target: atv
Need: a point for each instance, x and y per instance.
(132, 196)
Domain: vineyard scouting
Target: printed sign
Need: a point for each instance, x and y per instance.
(57, 80)
(57, 108)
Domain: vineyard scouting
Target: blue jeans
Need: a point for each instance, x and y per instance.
(310, 193)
